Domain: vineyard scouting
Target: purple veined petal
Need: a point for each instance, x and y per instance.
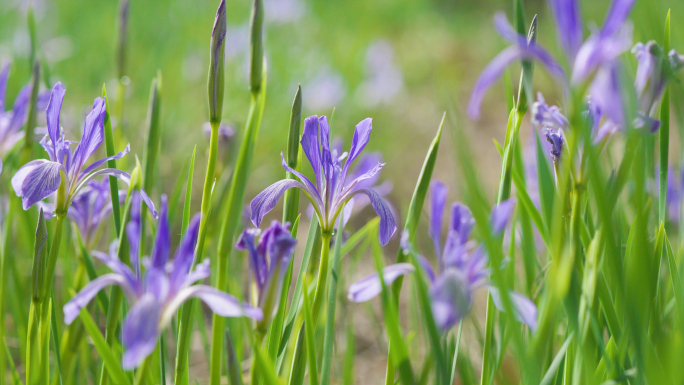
(370, 174)
(370, 286)
(311, 189)
(387, 224)
(83, 298)
(451, 298)
(266, 200)
(311, 148)
(218, 301)
(569, 25)
(500, 215)
(140, 331)
(100, 162)
(124, 177)
(324, 137)
(4, 75)
(185, 255)
(362, 133)
(525, 310)
(438, 197)
(616, 17)
(93, 134)
(162, 243)
(19, 110)
(41, 182)
(52, 114)
(20, 176)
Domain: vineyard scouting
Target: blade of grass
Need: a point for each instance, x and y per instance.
(111, 362)
(110, 151)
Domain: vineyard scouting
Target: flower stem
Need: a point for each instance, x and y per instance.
(322, 275)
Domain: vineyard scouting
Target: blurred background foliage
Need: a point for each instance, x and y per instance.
(401, 62)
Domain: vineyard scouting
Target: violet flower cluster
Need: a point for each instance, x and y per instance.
(332, 191)
(65, 168)
(461, 271)
(156, 293)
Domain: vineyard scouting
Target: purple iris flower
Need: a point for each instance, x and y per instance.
(268, 259)
(156, 294)
(332, 191)
(597, 54)
(40, 178)
(461, 271)
(520, 49)
(12, 120)
(552, 123)
(90, 208)
(654, 72)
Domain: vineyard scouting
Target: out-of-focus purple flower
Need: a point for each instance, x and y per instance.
(552, 123)
(520, 49)
(654, 72)
(332, 191)
(40, 178)
(604, 45)
(383, 80)
(89, 209)
(268, 258)
(324, 90)
(12, 120)
(226, 132)
(156, 294)
(284, 11)
(461, 271)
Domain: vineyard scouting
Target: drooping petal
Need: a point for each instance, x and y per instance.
(362, 133)
(20, 176)
(438, 196)
(525, 310)
(162, 243)
(93, 166)
(112, 261)
(370, 174)
(41, 182)
(451, 298)
(93, 134)
(569, 25)
(500, 215)
(140, 331)
(83, 298)
(387, 224)
(185, 255)
(52, 113)
(266, 200)
(311, 148)
(218, 301)
(370, 286)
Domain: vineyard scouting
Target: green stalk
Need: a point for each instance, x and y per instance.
(329, 336)
(215, 89)
(664, 135)
(322, 281)
(110, 151)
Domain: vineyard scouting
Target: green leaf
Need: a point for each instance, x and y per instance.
(557, 361)
(418, 199)
(234, 369)
(310, 346)
(111, 362)
(256, 46)
(153, 140)
(110, 151)
(188, 191)
(291, 199)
